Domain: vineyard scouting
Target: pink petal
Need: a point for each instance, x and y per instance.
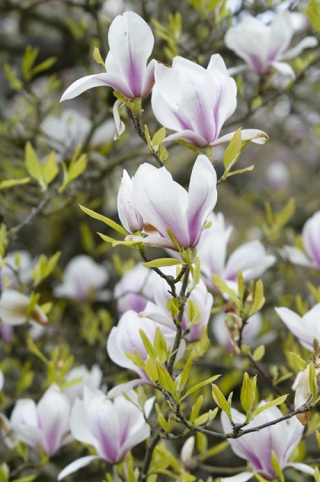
(253, 135)
(97, 80)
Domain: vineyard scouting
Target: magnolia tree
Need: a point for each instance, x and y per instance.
(160, 300)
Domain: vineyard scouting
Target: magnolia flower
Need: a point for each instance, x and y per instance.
(251, 257)
(67, 131)
(131, 43)
(125, 338)
(17, 269)
(263, 47)
(256, 447)
(305, 328)
(134, 289)
(85, 378)
(43, 425)
(303, 393)
(82, 278)
(130, 218)
(14, 309)
(111, 427)
(195, 102)
(310, 241)
(165, 205)
(201, 299)
(226, 328)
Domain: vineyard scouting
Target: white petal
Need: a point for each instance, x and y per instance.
(76, 465)
(306, 43)
(253, 135)
(120, 127)
(281, 32)
(242, 477)
(96, 80)
(302, 467)
(284, 69)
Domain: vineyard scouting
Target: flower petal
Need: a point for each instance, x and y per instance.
(76, 465)
(242, 477)
(131, 42)
(202, 196)
(253, 135)
(284, 69)
(280, 35)
(306, 43)
(120, 127)
(302, 467)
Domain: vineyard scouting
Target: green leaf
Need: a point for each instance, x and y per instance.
(45, 65)
(13, 182)
(28, 61)
(151, 369)
(13, 79)
(296, 362)
(50, 168)
(313, 382)
(29, 478)
(32, 163)
(233, 151)
(159, 136)
(200, 385)
(160, 346)
(241, 171)
(259, 299)
(273, 403)
(161, 420)
(32, 347)
(248, 392)
(221, 401)
(105, 220)
(224, 288)
(162, 262)
(276, 465)
(258, 353)
(196, 408)
(165, 379)
(202, 419)
(116, 242)
(148, 345)
(184, 375)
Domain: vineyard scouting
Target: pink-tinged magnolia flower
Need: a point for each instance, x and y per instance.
(305, 328)
(85, 378)
(165, 205)
(125, 338)
(111, 427)
(195, 102)
(201, 299)
(130, 218)
(131, 42)
(251, 257)
(43, 425)
(257, 447)
(263, 47)
(82, 279)
(135, 289)
(311, 244)
(14, 308)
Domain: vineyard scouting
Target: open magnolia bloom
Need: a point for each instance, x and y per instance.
(111, 427)
(310, 241)
(131, 43)
(263, 47)
(165, 206)
(135, 289)
(305, 328)
(250, 258)
(83, 278)
(81, 377)
(15, 309)
(44, 425)
(195, 102)
(257, 447)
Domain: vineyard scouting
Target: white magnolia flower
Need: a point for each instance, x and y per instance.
(14, 307)
(85, 378)
(17, 269)
(310, 257)
(256, 447)
(263, 47)
(113, 428)
(43, 425)
(305, 328)
(82, 279)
